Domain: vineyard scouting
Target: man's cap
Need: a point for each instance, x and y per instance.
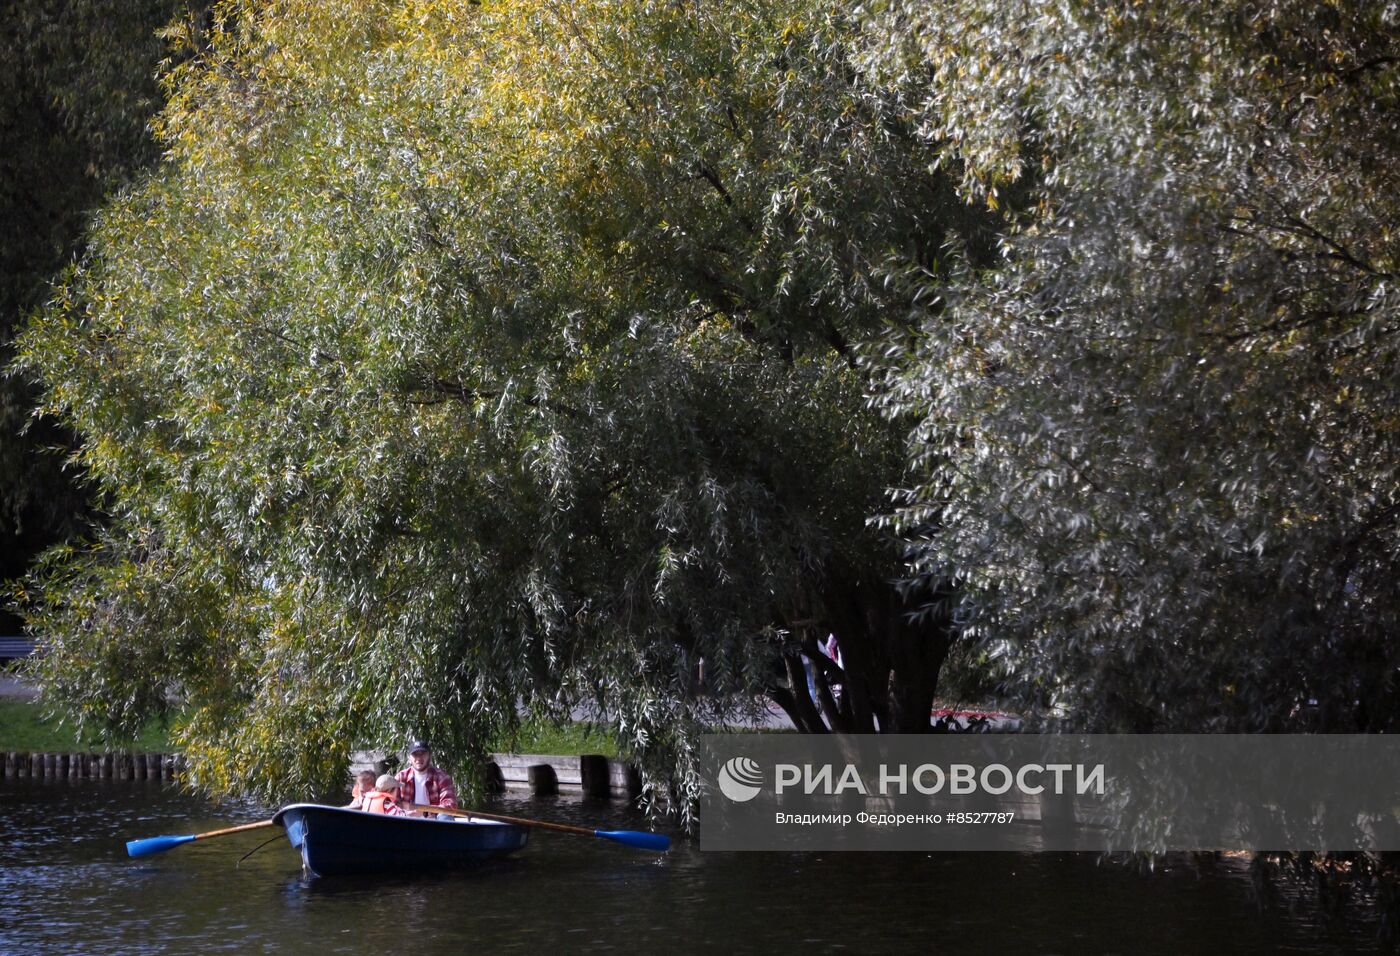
(416, 745)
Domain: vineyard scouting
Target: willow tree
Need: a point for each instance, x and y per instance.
(1160, 442)
(469, 355)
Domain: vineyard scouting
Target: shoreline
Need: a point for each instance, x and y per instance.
(592, 775)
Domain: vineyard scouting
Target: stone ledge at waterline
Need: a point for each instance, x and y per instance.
(590, 774)
(94, 766)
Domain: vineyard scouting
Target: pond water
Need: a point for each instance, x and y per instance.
(67, 886)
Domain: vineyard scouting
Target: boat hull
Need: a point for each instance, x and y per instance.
(335, 841)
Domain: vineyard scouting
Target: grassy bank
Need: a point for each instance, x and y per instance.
(23, 727)
(568, 740)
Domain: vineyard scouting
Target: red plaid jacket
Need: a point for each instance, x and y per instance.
(441, 792)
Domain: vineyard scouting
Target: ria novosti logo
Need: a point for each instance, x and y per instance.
(740, 779)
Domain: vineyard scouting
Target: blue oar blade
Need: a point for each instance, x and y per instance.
(153, 845)
(642, 841)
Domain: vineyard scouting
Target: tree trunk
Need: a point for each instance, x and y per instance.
(911, 694)
(783, 697)
(826, 673)
(919, 648)
(893, 650)
(809, 721)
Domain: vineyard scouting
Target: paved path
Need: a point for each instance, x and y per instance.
(769, 715)
(13, 687)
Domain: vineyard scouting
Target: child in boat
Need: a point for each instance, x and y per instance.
(381, 798)
(364, 783)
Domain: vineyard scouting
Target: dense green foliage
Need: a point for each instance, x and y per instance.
(1160, 442)
(471, 358)
(77, 87)
(466, 357)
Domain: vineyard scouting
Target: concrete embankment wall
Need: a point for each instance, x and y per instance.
(590, 774)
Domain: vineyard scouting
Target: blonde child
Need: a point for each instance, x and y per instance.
(364, 783)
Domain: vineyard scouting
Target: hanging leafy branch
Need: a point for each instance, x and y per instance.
(1158, 443)
(469, 357)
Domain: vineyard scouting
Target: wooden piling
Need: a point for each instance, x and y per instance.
(543, 780)
(1057, 814)
(624, 779)
(593, 775)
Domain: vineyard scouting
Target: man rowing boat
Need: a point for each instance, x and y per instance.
(423, 783)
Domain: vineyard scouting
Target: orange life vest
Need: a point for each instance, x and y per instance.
(377, 801)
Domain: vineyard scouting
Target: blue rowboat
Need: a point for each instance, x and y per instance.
(334, 840)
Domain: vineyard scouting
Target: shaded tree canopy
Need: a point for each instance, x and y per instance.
(77, 87)
(464, 356)
(1158, 444)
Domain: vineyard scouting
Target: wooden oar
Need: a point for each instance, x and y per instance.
(640, 839)
(153, 845)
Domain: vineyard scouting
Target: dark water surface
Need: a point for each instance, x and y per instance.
(67, 886)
